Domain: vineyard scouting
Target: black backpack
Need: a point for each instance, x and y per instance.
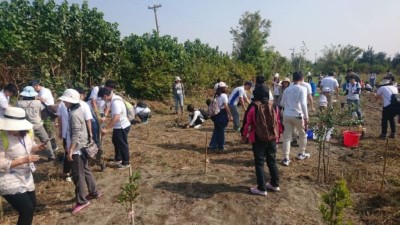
(205, 114)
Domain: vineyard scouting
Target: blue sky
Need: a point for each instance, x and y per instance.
(318, 23)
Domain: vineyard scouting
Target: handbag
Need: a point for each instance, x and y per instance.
(91, 150)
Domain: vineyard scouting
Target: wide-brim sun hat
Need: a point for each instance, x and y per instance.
(276, 75)
(384, 82)
(71, 96)
(29, 91)
(287, 79)
(177, 78)
(14, 120)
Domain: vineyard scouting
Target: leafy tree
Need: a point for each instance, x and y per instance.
(338, 58)
(250, 40)
(396, 63)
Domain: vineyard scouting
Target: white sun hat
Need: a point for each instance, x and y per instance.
(222, 84)
(71, 96)
(29, 91)
(14, 120)
(276, 75)
(177, 78)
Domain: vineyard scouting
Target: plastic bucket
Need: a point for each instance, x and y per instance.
(310, 134)
(351, 138)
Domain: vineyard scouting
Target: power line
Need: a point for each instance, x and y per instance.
(154, 8)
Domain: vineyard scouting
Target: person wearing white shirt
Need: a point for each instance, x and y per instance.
(310, 100)
(120, 125)
(330, 82)
(353, 90)
(323, 100)
(196, 119)
(46, 98)
(277, 85)
(295, 116)
(8, 91)
(142, 111)
(221, 119)
(238, 97)
(389, 111)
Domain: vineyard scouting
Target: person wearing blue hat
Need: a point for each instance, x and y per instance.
(33, 109)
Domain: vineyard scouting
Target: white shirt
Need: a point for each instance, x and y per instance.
(45, 93)
(294, 100)
(323, 100)
(276, 88)
(4, 100)
(141, 110)
(87, 113)
(386, 92)
(307, 86)
(62, 112)
(330, 82)
(99, 101)
(351, 89)
(237, 93)
(118, 108)
(196, 114)
(223, 98)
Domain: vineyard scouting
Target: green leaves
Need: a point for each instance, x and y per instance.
(129, 191)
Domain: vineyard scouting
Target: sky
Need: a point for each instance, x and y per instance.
(316, 23)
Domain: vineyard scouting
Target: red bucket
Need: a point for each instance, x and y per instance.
(351, 138)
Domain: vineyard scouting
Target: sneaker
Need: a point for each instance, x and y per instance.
(123, 166)
(68, 179)
(392, 135)
(90, 196)
(78, 207)
(302, 156)
(255, 191)
(270, 187)
(285, 162)
(197, 126)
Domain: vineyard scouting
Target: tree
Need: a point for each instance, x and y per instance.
(250, 40)
(338, 58)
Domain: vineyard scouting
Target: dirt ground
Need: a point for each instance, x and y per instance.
(175, 189)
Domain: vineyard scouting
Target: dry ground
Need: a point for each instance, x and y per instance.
(174, 188)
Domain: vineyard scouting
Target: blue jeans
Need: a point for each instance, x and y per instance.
(265, 152)
(178, 101)
(218, 136)
(354, 106)
(236, 116)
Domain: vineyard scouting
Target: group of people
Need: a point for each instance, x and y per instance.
(80, 123)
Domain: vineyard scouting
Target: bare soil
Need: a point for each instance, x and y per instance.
(176, 189)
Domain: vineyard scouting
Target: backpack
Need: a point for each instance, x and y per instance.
(213, 108)
(4, 138)
(395, 99)
(266, 128)
(205, 114)
(130, 111)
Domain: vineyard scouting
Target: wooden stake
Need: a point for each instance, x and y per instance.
(205, 158)
(384, 164)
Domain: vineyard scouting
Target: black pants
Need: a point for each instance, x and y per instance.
(121, 147)
(388, 114)
(25, 204)
(197, 122)
(265, 152)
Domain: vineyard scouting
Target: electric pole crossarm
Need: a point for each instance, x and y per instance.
(154, 8)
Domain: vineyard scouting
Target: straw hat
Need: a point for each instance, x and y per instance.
(384, 82)
(71, 96)
(287, 79)
(14, 120)
(29, 91)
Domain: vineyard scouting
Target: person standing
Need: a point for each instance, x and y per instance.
(295, 116)
(263, 151)
(221, 119)
(353, 96)
(389, 111)
(372, 79)
(120, 125)
(16, 163)
(77, 140)
(238, 97)
(333, 85)
(32, 108)
(8, 91)
(46, 98)
(178, 90)
(277, 85)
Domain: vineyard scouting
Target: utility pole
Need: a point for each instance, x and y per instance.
(154, 8)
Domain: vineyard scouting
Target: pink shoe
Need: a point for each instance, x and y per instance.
(78, 207)
(255, 191)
